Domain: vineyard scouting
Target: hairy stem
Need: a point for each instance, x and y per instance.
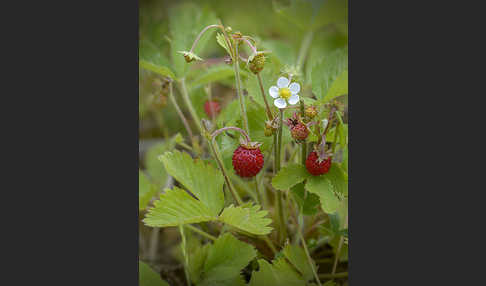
(236, 66)
(179, 112)
(309, 259)
(219, 131)
(278, 155)
(219, 161)
(199, 231)
(338, 251)
(186, 257)
(253, 49)
(201, 33)
(332, 276)
(187, 100)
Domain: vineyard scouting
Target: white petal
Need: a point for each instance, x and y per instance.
(283, 82)
(280, 103)
(294, 88)
(294, 99)
(273, 91)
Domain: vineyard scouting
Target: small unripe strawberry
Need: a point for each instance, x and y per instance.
(247, 161)
(310, 112)
(299, 131)
(257, 63)
(212, 108)
(315, 166)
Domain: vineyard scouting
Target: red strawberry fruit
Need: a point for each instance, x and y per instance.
(315, 166)
(247, 161)
(212, 108)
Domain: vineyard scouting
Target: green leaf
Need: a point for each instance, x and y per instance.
(162, 70)
(148, 277)
(145, 190)
(309, 204)
(212, 74)
(326, 71)
(176, 207)
(296, 255)
(278, 273)
(289, 176)
(247, 218)
(222, 42)
(186, 21)
(224, 261)
(203, 180)
(339, 87)
(322, 187)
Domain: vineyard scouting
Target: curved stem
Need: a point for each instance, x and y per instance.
(219, 131)
(253, 48)
(219, 161)
(238, 89)
(201, 33)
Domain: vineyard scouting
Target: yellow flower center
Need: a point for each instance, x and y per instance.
(285, 93)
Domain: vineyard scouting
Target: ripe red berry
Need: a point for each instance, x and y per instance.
(299, 131)
(247, 162)
(212, 108)
(314, 167)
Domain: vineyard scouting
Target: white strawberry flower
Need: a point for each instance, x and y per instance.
(285, 92)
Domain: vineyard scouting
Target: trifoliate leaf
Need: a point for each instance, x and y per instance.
(201, 179)
(289, 176)
(161, 70)
(326, 71)
(148, 277)
(176, 207)
(224, 261)
(222, 42)
(296, 255)
(323, 187)
(146, 190)
(250, 219)
(278, 273)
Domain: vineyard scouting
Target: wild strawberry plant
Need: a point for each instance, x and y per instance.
(256, 180)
